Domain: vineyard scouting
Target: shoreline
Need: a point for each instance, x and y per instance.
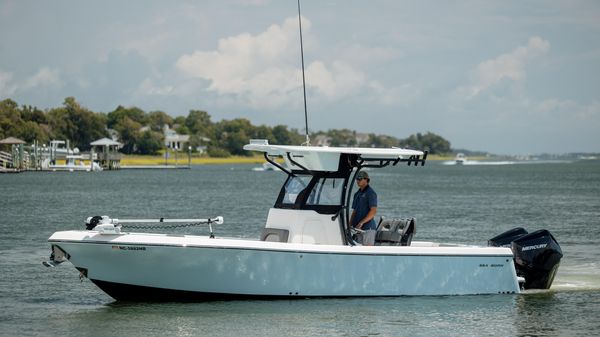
(138, 160)
(159, 160)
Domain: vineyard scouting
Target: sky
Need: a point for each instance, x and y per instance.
(507, 77)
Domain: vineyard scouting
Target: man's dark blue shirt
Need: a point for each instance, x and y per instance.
(362, 203)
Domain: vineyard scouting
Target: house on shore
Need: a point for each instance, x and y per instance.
(175, 141)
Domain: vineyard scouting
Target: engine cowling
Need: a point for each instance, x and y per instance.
(537, 255)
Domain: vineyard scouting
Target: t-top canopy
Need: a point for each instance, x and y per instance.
(105, 142)
(12, 141)
(319, 158)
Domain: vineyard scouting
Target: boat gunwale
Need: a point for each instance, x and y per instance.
(304, 248)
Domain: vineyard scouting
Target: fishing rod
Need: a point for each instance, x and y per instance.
(307, 143)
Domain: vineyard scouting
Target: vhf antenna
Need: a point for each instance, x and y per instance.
(303, 80)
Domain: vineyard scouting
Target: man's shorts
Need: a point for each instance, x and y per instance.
(367, 238)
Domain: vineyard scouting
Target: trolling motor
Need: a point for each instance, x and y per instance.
(537, 255)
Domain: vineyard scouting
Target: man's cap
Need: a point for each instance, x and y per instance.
(362, 175)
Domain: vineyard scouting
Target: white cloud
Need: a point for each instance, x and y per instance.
(561, 108)
(339, 81)
(263, 69)
(510, 66)
(401, 95)
(149, 46)
(6, 87)
(239, 58)
(45, 77)
(148, 87)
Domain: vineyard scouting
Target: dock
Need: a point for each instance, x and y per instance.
(152, 167)
(10, 170)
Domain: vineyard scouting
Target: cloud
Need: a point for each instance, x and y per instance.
(45, 77)
(402, 95)
(510, 66)
(149, 87)
(339, 81)
(264, 69)
(7, 89)
(560, 108)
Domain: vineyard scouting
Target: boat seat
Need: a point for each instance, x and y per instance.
(395, 232)
(274, 235)
(408, 232)
(392, 225)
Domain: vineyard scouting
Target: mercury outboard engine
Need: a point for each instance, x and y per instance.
(537, 255)
(506, 238)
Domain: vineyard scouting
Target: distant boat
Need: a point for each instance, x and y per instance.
(460, 158)
(75, 163)
(266, 167)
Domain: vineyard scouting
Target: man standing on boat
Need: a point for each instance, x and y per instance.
(364, 208)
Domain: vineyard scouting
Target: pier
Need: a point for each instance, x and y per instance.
(16, 156)
(15, 161)
(108, 156)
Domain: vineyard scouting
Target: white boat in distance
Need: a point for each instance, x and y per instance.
(74, 163)
(460, 159)
(307, 248)
(266, 167)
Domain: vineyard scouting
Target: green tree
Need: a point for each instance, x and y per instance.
(33, 131)
(343, 137)
(77, 124)
(150, 142)
(198, 123)
(233, 134)
(158, 119)
(130, 134)
(430, 141)
(179, 120)
(33, 114)
(10, 118)
(263, 132)
(283, 136)
(135, 114)
(383, 140)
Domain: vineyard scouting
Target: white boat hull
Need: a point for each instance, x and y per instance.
(165, 267)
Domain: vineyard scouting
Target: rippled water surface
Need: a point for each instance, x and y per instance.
(467, 204)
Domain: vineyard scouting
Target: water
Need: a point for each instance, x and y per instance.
(466, 204)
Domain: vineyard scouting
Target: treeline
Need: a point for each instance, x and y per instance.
(142, 132)
(429, 141)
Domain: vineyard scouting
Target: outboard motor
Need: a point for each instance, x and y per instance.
(537, 255)
(505, 239)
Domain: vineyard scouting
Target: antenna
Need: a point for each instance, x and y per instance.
(307, 143)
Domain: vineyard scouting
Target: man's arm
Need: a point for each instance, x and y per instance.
(370, 215)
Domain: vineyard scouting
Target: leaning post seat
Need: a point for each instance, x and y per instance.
(395, 232)
(274, 234)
